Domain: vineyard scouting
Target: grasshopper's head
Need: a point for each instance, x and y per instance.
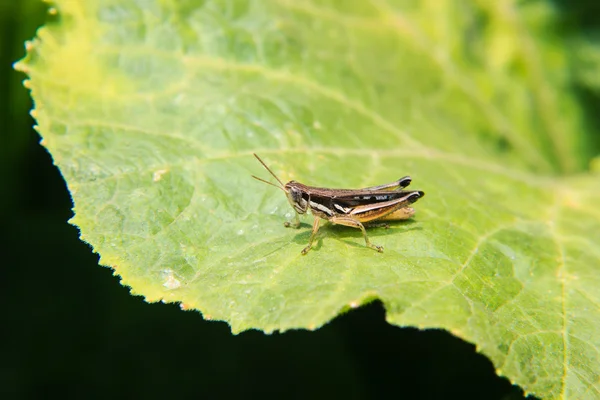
(294, 196)
(293, 190)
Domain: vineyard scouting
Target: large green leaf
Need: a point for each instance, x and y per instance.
(152, 110)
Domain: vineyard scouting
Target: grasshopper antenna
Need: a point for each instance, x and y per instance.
(271, 172)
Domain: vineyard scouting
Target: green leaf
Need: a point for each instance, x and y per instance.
(152, 110)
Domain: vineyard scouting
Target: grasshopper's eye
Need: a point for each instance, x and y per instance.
(296, 200)
(296, 195)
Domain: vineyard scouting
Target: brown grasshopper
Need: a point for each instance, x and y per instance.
(350, 207)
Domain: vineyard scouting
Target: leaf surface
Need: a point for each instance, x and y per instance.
(152, 110)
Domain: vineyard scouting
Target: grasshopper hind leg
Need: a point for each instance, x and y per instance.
(356, 224)
(398, 215)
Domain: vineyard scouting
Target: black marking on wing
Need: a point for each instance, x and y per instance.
(362, 199)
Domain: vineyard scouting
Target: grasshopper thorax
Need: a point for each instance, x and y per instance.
(294, 196)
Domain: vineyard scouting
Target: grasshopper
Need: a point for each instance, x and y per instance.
(349, 207)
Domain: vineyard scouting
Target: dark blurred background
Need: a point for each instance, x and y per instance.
(69, 328)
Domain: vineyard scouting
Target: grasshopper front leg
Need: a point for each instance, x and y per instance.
(296, 223)
(347, 221)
